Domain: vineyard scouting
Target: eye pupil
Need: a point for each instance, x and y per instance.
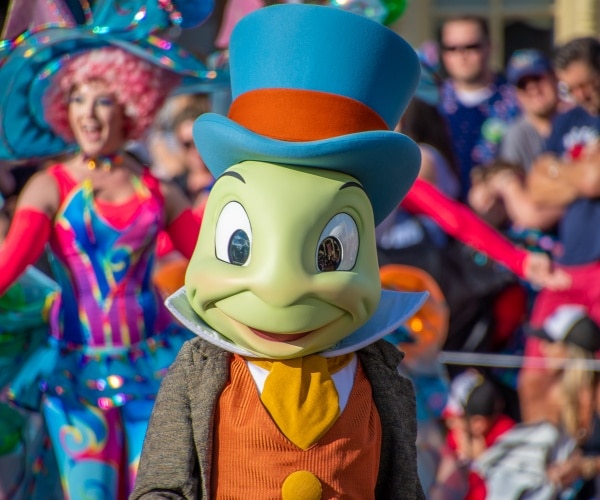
(330, 254)
(239, 247)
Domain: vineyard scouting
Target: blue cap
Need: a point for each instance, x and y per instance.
(527, 62)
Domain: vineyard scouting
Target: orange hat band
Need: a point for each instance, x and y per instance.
(302, 115)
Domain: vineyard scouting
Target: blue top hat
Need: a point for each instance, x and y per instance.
(319, 87)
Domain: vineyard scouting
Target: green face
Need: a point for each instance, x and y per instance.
(286, 263)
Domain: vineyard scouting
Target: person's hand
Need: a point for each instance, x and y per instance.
(481, 198)
(487, 204)
(573, 468)
(564, 473)
(546, 165)
(546, 182)
(499, 182)
(539, 271)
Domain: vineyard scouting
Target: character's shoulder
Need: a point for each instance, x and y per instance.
(198, 355)
(382, 352)
(381, 362)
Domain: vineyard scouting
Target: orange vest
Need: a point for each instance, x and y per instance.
(252, 459)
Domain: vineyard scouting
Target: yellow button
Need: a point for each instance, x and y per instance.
(301, 485)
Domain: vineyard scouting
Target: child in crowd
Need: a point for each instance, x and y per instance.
(474, 415)
(555, 453)
(475, 419)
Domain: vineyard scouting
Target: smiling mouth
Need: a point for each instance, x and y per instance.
(278, 337)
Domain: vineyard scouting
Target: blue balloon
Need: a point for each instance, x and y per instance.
(194, 12)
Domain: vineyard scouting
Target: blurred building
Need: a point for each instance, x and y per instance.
(514, 24)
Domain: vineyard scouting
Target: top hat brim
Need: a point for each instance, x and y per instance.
(386, 163)
(29, 63)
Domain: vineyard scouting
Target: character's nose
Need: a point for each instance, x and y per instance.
(283, 280)
(88, 110)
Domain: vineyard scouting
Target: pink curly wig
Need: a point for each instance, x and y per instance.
(139, 86)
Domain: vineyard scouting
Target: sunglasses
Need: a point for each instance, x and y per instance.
(471, 47)
(567, 91)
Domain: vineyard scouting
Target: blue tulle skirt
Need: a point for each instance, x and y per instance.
(104, 378)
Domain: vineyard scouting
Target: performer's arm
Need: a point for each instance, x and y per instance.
(30, 227)
(182, 233)
(28, 234)
(461, 223)
(183, 222)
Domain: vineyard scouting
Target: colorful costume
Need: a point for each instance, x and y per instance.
(290, 394)
(112, 340)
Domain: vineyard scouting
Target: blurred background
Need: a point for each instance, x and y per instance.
(514, 24)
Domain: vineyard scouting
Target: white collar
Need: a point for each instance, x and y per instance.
(395, 308)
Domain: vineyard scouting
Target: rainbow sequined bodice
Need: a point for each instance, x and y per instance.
(104, 270)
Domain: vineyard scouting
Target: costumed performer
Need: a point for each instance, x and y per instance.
(89, 90)
(289, 391)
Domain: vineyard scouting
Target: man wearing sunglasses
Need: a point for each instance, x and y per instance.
(477, 102)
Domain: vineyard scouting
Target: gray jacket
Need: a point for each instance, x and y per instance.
(176, 458)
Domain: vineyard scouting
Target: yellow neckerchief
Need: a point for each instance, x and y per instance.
(301, 396)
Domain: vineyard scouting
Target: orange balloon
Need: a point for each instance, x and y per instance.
(429, 326)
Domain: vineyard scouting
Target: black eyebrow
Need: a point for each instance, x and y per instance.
(235, 175)
(353, 184)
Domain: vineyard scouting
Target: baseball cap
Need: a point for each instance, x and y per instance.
(483, 400)
(526, 62)
(471, 393)
(570, 324)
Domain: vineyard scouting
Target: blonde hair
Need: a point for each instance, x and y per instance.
(577, 378)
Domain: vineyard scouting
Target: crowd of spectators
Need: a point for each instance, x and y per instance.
(519, 361)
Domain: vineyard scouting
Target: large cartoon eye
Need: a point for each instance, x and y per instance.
(338, 244)
(233, 236)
